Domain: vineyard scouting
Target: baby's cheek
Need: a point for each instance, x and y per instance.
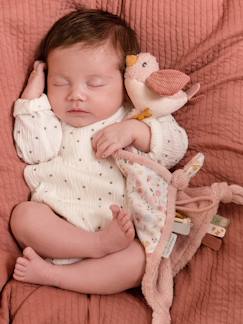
(56, 105)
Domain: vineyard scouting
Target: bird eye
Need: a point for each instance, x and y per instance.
(144, 64)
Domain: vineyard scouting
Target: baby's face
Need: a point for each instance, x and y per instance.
(84, 84)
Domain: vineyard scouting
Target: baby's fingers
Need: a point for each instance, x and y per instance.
(101, 148)
(36, 64)
(96, 139)
(39, 66)
(38, 71)
(110, 150)
(36, 82)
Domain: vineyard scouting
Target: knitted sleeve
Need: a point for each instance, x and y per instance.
(169, 141)
(37, 131)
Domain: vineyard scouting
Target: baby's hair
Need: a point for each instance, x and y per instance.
(91, 27)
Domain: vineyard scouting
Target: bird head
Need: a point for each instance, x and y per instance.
(140, 66)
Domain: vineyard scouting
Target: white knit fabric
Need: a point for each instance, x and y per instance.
(63, 170)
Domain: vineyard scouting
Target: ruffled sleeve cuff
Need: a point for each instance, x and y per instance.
(27, 107)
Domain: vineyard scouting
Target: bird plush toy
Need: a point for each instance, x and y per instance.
(155, 92)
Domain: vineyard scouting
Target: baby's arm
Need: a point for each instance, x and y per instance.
(37, 131)
(169, 141)
(162, 138)
(120, 135)
(36, 82)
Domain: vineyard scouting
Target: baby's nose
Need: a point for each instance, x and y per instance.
(77, 94)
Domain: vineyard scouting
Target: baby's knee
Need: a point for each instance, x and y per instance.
(21, 215)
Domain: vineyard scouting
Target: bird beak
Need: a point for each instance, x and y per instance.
(131, 60)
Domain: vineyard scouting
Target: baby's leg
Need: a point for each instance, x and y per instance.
(111, 274)
(36, 225)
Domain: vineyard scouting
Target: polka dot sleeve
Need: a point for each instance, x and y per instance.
(37, 131)
(169, 141)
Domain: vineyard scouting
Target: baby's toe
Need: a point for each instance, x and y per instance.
(18, 277)
(19, 272)
(22, 261)
(29, 253)
(20, 267)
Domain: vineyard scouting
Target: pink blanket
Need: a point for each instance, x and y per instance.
(146, 193)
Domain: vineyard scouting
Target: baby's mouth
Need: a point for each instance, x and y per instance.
(77, 110)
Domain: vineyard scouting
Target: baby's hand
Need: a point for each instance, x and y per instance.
(36, 82)
(112, 138)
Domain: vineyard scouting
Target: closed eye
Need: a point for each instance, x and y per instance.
(95, 85)
(57, 84)
(58, 81)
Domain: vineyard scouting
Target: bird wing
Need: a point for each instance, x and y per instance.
(167, 82)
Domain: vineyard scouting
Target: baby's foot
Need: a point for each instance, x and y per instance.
(118, 234)
(36, 82)
(33, 269)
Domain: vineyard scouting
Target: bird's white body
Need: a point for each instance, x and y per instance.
(142, 97)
